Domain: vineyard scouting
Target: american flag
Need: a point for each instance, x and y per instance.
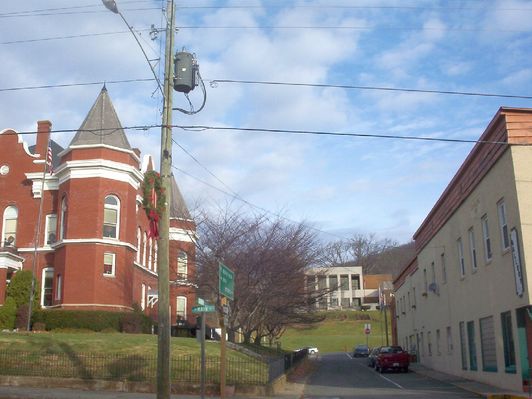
(49, 161)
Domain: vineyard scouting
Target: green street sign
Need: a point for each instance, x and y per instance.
(203, 309)
(201, 301)
(227, 281)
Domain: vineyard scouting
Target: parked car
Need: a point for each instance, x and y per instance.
(392, 357)
(361, 351)
(372, 356)
(312, 350)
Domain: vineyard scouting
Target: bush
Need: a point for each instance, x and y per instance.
(21, 321)
(93, 320)
(20, 286)
(8, 314)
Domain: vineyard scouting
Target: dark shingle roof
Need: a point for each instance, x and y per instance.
(56, 149)
(101, 125)
(178, 207)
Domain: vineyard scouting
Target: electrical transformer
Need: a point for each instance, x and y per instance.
(185, 70)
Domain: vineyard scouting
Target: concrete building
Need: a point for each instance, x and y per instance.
(346, 286)
(93, 251)
(464, 304)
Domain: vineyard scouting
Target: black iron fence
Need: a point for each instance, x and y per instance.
(127, 367)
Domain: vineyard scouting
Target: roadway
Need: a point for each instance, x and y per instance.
(340, 376)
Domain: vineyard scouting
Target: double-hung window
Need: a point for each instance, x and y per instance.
(51, 229)
(461, 261)
(9, 234)
(111, 217)
(472, 249)
(109, 264)
(503, 225)
(486, 238)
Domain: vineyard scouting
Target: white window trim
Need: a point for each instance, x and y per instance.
(185, 257)
(185, 307)
(144, 244)
(46, 228)
(143, 296)
(443, 268)
(139, 242)
(113, 264)
(472, 249)
(114, 207)
(4, 218)
(64, 214)
(503, 222)
(58, 287)
(43, 274)
(461, 260)
(150, 253)
(488, 255)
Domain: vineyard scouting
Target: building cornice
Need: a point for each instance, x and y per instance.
(177, 234)
(100, 241)
(9, 260)
(51, 183)
(99, 168)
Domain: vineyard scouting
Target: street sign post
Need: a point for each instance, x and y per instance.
(227, 281)
(202, 308)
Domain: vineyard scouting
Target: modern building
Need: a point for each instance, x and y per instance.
(93, 250)
(345, 287)
(464, 304)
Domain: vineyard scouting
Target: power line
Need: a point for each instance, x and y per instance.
(68, 8)
(214, 82)
(344, 7)
(341, 134)
(47, 14)
(70, 37)
(101, 82)
(239, 198)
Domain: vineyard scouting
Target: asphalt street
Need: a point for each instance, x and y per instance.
(338, 375)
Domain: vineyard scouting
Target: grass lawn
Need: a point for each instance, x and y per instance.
(339, 332)
(104, 343)
(116, 356)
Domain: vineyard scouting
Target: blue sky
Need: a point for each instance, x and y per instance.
(339, 185)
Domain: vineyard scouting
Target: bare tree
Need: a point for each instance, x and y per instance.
(269, 258)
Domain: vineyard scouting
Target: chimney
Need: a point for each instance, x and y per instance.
(43, 134)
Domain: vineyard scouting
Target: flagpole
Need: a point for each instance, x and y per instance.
(37, 234)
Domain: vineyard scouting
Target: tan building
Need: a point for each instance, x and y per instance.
(464, 304)
(346, 287)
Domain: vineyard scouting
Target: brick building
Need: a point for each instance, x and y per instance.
(93, 250)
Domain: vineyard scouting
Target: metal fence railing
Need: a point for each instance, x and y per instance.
(121, 367)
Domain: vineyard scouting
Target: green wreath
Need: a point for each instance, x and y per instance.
(152, 179)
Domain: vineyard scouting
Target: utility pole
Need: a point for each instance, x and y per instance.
(163, 257)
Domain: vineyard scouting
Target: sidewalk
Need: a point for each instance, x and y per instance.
(484, 390)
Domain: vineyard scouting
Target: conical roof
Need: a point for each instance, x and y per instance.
(101, 125)
(178, 207)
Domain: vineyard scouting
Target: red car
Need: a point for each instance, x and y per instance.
(392, 358)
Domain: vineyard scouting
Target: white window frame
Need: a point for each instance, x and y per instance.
(156, 249)
(503, 225)
(182, 265)
(150, 253)
(50, 226)
(58, 287)
(184, 300)
(488, 248)
(145, 243)
(472, 249)
(139, 243)
(112, 207)
(10, 213)
(143, 296)
(45, 271)
(461, 260)
(64, 217)
(113, 264)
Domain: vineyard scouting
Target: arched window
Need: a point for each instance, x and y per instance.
(111, 216)
(139, 241)
(155, 257)
(47, 285)
(144, 249)
(182, 265)
(64, 216)
(181, 307)
(9, 233)
(150, 253)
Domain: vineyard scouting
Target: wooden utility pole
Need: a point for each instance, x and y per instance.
(163, 257)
